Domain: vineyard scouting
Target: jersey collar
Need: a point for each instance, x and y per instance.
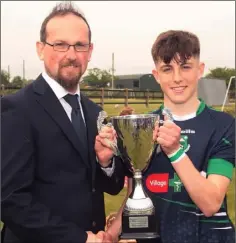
(200, 109)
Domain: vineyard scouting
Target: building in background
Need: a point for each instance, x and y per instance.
(137, 82)
(212, 91)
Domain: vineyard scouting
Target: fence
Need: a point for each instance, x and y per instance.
(108, 96)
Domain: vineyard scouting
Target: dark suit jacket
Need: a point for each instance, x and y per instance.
(52, 185)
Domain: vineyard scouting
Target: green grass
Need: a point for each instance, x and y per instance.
(130, 100)
(231, 199)
(113, 203)
(112, 110)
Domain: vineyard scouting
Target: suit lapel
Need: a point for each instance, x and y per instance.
(46, 97)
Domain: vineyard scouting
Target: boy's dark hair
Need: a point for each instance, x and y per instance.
(62, 9)
(175, 44)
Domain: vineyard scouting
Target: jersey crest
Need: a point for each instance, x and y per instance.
(184, 143)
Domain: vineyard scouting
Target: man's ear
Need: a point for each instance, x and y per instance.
(90, 52)
(40, 50)
(155, 74)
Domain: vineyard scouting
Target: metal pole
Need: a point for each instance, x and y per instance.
(23, 69)
(112, 70)
(227, 91)
(8, 70)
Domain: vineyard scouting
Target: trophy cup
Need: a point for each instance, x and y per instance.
(135, 146)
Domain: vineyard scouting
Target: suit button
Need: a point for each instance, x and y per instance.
(93, 190)
(94, 223)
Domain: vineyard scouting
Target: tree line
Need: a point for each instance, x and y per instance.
(101, 78)
(16, 81)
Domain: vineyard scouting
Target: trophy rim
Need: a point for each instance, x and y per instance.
(134, 116)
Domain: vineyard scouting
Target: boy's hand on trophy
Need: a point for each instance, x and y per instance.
(168, 136)
(104, 139)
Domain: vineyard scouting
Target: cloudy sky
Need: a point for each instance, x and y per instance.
(126, 28)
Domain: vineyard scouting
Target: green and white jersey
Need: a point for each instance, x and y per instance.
(208, 138)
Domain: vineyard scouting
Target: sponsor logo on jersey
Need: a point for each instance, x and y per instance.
(158, 182)
(227, 141)
(188, 131)
(176, 183)
(184, 143)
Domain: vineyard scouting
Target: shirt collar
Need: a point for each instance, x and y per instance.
(185, 117)
(59, 91)
(201, 107)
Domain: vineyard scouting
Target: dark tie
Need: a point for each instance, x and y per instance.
(76, 117)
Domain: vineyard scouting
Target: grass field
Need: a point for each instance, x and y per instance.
(113, 203)
(114, 110)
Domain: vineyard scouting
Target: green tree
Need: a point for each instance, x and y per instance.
(98, 78)
(223, 73)
(29, 81)
(5, 77)
(17, 81)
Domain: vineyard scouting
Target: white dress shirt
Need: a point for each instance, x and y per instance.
(60, 92)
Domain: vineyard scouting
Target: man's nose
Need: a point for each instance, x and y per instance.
(71, 53)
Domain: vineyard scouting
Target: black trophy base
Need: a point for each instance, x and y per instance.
(139, 227)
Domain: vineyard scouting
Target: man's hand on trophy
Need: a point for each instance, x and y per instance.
(113, 226)
(100, 237)
(168, 136)
(103, 145)
(104, 237)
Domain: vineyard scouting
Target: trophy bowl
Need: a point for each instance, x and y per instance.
(135, 146)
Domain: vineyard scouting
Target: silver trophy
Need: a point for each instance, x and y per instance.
(135, 145)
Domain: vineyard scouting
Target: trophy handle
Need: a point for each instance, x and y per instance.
(101, 117)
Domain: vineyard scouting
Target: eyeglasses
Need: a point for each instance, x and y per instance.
(63, 47)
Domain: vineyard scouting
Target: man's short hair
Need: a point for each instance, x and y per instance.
(62, 9)
(175, 44)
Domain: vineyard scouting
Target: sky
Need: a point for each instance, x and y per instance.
(126, 28)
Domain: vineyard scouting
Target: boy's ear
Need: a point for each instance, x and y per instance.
(155, 74)
(201, 69)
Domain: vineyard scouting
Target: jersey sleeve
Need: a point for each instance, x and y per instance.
(222, 157)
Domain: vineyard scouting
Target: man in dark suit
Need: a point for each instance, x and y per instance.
(55, 165)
